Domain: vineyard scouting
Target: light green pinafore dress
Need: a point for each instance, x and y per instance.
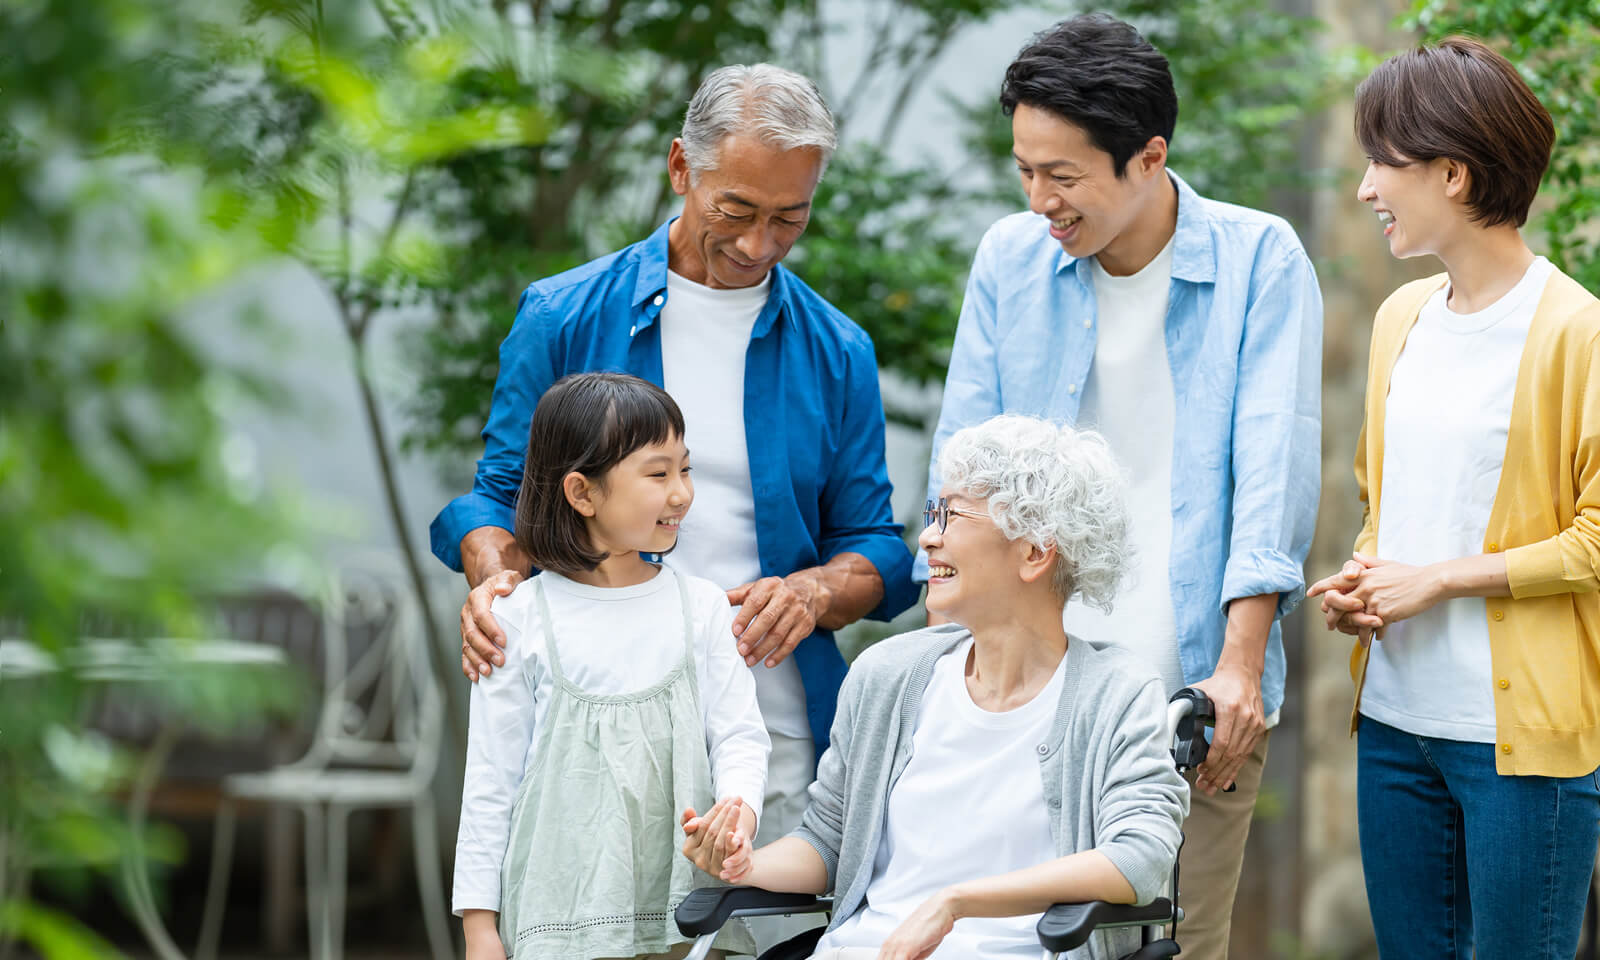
(593, 864)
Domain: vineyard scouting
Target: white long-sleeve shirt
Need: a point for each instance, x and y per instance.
(611, 640)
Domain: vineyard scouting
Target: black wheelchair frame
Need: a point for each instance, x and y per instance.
(1063, 927)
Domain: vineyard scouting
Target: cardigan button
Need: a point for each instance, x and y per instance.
(1505, 684)
(1493, 547)
(1505, 748)
(1499, 614)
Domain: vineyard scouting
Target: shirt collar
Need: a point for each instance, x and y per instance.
(652, 256)
(651, 282)
(1194, 255)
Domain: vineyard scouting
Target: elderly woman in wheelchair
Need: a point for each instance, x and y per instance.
(988, 768)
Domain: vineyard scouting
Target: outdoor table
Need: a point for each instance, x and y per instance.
(108, 660)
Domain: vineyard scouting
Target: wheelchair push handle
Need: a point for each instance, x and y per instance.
(1189, 712)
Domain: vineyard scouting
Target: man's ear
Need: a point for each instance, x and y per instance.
(583, 495)
(678, 167)
(1152, 157)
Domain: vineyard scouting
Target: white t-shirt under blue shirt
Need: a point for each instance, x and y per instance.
(970, 803)
(1444, 435)
(705, 334)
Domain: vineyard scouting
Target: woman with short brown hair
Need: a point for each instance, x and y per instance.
(1476, 567)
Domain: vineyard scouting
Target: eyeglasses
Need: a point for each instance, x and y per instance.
(939, 511)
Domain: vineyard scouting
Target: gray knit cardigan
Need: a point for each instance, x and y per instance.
(1106, 768)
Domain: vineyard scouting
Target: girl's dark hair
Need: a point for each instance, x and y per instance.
(588, 423)
(1101, 75)
(1462, 101)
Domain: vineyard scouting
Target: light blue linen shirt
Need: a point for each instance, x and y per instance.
(1244, 342)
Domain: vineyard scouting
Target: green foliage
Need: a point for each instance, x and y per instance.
(151, 157)
(124, 495)
(1555, 45)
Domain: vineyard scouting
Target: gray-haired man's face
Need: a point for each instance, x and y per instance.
(742, 217)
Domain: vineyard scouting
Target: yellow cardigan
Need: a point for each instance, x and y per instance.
(1544, 641)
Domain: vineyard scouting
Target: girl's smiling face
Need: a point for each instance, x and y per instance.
(637, 506)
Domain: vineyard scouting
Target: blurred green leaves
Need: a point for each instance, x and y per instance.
(154, 160)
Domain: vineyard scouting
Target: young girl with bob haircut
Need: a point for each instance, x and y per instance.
(1472, 587)
(621, 702)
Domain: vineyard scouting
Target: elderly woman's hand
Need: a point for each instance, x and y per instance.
(921, 933)
(719, 842)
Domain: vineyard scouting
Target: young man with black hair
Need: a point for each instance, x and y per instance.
(1189, 333)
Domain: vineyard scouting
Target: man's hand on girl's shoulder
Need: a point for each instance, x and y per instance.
(481, 637)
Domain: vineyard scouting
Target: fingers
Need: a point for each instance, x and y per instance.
(1239, 727)
(481, 637)
(737, 595)
(738, 862)
(472, 663)
(793, 626)
(486, 636)
(753, 599)
(1323, 586)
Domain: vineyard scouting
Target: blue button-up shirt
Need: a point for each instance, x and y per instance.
(1244, 343)
(813, 427)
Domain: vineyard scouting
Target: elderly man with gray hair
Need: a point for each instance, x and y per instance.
(779, 391)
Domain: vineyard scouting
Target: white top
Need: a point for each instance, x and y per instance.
(1129, 398)
(611, 641)
(970, 803)
(705, 334)
(1444, 429)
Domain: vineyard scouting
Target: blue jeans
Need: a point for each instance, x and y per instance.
(1459, 858)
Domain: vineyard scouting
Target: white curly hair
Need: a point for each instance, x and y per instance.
(1048, 484)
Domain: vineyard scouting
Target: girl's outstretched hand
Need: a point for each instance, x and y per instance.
(719, 841)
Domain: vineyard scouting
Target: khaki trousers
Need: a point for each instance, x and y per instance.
(1212, 856)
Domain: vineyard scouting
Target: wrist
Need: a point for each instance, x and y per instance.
(813, 585)
(1235, 661)
(954, 901)
(1441, 582)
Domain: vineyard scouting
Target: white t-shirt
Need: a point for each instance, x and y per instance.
(705, 334)
(612, 640)
(1444, 440)
(1129, 398)
(970, 803)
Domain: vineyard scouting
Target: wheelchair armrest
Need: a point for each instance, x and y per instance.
(705, 910)
(1068, 925)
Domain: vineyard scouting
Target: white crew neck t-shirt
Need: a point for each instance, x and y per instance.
(1444, 436)
(705, 334)
(1129, 398)
(969, 803)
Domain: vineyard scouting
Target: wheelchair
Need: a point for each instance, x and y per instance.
(1063, 927)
